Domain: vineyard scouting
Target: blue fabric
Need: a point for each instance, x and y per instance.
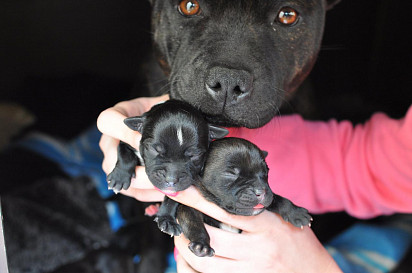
(79, 157)
(365, 248)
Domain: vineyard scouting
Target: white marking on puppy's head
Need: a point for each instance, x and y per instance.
(180, 135)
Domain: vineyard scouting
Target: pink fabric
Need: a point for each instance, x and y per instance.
(365, 170)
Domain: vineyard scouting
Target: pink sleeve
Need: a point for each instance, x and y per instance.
(332, 166)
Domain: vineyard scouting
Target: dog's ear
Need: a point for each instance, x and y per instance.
(331, 3)
(265, 153)
(217, 132)
(135, 123)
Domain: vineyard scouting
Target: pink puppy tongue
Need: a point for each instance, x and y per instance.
(259, 206)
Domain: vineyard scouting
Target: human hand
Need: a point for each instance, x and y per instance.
(110, 123)
(267, 244)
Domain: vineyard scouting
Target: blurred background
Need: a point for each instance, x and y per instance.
(63, 62)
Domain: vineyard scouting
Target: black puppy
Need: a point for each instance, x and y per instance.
(237, 60)
(175, 138)
(235, 177)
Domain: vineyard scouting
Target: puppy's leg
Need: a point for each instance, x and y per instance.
(297, 216)
(193, 228)
(166, 217)
(125, 167)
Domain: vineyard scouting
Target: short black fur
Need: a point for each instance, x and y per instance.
(235, 60)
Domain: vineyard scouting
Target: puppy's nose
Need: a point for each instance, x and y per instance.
(230, 84)
(260, 192)
(171, 179)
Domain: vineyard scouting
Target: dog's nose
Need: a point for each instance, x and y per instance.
(171, 180)
(230, 84)
(260, 192)
(174, 177)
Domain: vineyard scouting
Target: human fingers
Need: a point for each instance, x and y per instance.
(140, 188)
(108, 146)
(191, 197)
(144, 195)
(182, 266)
(203, 264)
(141, 181)
(229, 244)
(110, 123)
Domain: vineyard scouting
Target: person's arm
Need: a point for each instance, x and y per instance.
(365, 170)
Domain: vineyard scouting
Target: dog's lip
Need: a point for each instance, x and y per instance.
(168, 192)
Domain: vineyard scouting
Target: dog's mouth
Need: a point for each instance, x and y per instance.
(168, 192)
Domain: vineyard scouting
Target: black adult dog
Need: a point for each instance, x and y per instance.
(175, 139)
(235, 177)
(237, 60)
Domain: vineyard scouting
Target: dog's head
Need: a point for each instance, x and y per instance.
(243, 57)
(235, 176)
(175, 138)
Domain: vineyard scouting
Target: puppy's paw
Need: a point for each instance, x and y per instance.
(168, 225)
(298, 217)
(201, 249)
(119, 179)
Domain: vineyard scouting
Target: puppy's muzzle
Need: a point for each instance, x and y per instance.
(227, 85)
(173, 179)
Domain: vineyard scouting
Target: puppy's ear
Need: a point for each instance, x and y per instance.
(217, 132)
(265, 154)
(331, 3)
(135, 123)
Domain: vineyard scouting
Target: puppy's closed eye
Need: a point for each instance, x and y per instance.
(232, 173)
(194, 155)
(156, 149)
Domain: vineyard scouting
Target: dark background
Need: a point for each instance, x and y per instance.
(68, 60)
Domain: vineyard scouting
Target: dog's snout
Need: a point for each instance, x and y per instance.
(174, 177)
(230, 84)
(171, 179)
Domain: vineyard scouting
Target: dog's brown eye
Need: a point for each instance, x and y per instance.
(189, 7)
(287, 16)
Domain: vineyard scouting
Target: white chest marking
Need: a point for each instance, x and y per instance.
(180, 135)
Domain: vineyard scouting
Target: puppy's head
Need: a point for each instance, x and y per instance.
(237, 60)
(175, 138)
(236, 176)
